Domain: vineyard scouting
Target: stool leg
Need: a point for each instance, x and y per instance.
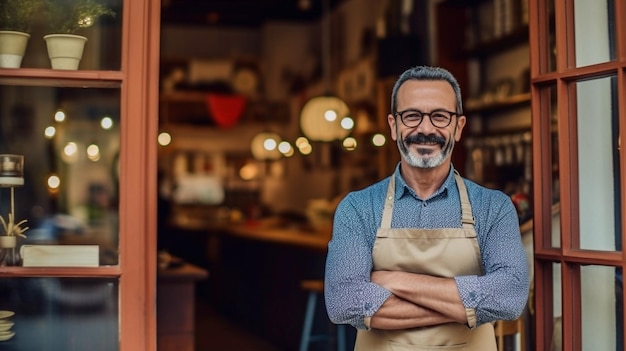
(308, 322)
(341, 337)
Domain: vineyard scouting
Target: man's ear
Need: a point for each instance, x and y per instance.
(391, 120)
(460, 124)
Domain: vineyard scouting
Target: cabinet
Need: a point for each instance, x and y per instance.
(105, 197)
(493, 70)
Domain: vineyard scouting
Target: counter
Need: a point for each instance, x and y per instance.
(256, 269)
(176, 307)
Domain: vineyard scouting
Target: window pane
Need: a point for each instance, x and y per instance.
(102, 50)
(598, 160)
(70, 186)
(70, 314)
(601, 298)
(594, 31)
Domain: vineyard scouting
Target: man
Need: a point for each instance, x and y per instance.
(424, 257)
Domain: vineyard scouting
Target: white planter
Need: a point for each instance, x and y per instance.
(65, 50)
(8, 242)
(12, 48)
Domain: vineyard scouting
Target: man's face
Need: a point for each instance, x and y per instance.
(426, 145)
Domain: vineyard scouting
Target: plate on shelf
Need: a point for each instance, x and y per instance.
(6, 335)
(5, 325)
(6, 314)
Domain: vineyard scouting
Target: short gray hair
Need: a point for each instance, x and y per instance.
(426, 73)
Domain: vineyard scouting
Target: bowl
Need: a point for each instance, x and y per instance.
(6, 335)
(5, 325)
(6, 314)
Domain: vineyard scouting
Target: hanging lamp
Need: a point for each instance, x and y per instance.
(321, 117)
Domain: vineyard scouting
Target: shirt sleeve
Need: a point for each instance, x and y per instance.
(502, 292)
(351, 298)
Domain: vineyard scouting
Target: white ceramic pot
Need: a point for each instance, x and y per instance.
(65, 50)
(12, 48)
(8, 242)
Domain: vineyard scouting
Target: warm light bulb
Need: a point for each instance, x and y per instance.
(106, 123)
(164, 139)
(349, 144)
(59, 116)
(269, 144)
(347, 123)
(54, 182)
(330, 115)
(378, 140)
(50, 132)
(93, 152)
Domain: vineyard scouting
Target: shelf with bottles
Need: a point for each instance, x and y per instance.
(495, 25)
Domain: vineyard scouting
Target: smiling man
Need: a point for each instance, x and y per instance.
(425, 258)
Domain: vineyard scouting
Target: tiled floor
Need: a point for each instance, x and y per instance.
(215, 333)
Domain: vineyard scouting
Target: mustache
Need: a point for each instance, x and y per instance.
(421, 138)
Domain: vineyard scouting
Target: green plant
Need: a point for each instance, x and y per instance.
(69, 16)
(16, 15)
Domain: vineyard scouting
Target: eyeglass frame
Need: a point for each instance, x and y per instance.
(429, 114)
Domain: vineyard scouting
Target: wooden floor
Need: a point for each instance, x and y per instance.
(216, 333)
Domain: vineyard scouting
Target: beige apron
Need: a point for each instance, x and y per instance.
(445, 252)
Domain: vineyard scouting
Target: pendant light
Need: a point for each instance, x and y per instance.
(321, 117)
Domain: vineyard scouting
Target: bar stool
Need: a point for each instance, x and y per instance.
(316, 288)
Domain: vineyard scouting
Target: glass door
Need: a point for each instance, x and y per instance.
(578, 87)
(82, 274)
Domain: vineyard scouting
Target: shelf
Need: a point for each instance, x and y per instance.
(518, 36)
(103, 271)
(60, 78)
(509, 102)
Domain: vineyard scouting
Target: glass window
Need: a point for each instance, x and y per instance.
(594, 32)
(557, 310)
(598, 159)
(70, 314)
(70, 141)
(600, 301)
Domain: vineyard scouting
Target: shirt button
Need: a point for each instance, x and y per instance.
(472, 296)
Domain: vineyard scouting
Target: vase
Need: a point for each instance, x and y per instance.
(9, 254)
(12, 48)
(65, 50)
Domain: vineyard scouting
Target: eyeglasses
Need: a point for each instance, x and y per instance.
(413, 118)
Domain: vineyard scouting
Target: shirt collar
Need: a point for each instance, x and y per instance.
(403, 189)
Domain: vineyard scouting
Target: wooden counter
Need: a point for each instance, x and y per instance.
(176, 307)
(256, 269)
(300, 237)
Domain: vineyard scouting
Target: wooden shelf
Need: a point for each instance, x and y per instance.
(60, 78)
(509, 102)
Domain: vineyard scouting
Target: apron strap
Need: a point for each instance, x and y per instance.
(388, 207)
(467, 219)
(466, 209)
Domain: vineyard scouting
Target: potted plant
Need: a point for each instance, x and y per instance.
(15, 21)
(11, 176)
(66, 18)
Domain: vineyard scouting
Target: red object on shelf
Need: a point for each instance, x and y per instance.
(226, 110)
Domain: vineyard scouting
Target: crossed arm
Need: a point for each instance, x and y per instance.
(418, 300)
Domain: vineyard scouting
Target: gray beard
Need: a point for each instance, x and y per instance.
(423, 158)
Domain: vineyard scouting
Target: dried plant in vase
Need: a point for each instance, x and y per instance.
(13, 229)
